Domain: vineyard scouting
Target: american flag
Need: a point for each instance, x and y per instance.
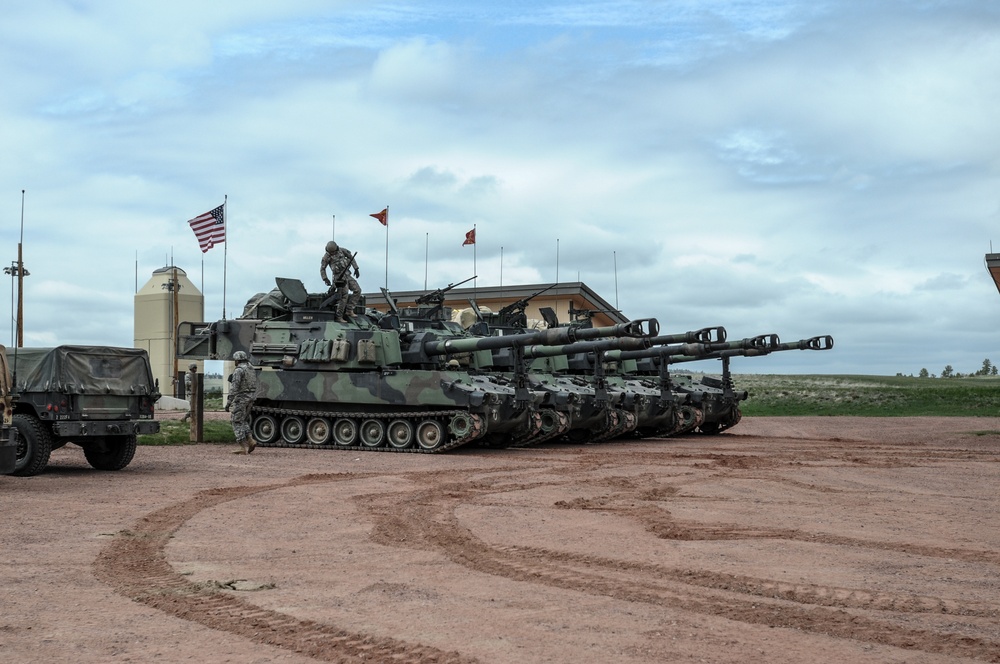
(210, 228)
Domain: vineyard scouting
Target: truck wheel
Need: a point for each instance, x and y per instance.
(34, 445)
(114, 454)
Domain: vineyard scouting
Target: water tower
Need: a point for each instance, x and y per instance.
(167, 299)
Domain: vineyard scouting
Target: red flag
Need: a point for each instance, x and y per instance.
(210, 228)
(470, 237)
(383, 217)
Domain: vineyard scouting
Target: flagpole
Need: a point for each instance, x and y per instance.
(557, 260)
(501, 275)
(225, 251)
(475, 270)
(615, 255)
(387, 247)
(333, 233)
(427, 237)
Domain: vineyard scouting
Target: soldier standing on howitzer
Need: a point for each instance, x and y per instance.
(340, 261)
(242, 391)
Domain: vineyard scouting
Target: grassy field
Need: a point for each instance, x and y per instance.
(882, 396)
(773, 395)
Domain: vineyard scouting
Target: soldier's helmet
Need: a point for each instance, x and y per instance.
(331, 247)
(239, 356)
(193, 366)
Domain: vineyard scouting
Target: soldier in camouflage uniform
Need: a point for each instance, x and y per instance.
(339, 259)
(242, 390)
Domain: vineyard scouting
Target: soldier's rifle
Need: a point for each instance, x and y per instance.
(343, 272)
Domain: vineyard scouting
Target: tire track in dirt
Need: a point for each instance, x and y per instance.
(134, 563)
(427, 519)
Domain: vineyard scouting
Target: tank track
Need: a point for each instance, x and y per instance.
(621, 422)
(561, 426)
(476, 428)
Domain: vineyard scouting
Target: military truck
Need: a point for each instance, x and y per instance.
(8, 434)
(98, 397)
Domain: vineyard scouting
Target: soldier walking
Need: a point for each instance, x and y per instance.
(242, 391)
(340, 261)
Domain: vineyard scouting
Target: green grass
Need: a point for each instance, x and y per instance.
(882, 396)
(175, 432)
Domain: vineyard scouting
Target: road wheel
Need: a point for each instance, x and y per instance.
(345, 431)
(318, 431)
(293, 429)
(372, 433)
(34, 445)
(400, 433)
(430, 434)
(265, 429)
(113, 453)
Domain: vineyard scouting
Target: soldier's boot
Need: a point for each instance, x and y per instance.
(352, 303)
(243, 447)
(251, 445)
(340, 316)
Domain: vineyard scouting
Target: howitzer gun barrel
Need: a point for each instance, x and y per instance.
(762, 342)
(706, 335)
(555, 336)
(823, 342)
(592, 346)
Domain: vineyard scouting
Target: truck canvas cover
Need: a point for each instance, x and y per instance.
(82, 370)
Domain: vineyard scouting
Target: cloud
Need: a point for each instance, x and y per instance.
(801, 168)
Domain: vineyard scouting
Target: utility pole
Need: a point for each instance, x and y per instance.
(21, 273)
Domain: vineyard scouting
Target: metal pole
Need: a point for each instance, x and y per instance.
(387, 247)
(615, 255)
(557, 260)
(20, 281)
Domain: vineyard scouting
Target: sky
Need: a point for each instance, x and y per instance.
(792, 167)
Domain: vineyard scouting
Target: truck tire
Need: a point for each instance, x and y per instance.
(34, 445)
(114, 454)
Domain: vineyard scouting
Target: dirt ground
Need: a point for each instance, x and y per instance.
(785, 539)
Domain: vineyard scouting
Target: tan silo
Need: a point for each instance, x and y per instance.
(168, 298)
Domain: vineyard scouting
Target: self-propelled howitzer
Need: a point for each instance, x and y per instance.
(692, 408)
(566, 403)
(330, 384)
(606, 406)
(368, 384)
(717, 395)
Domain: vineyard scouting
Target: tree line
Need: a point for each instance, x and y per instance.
(988, 369)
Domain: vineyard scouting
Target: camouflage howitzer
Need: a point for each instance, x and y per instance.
(339, 385)
(562, 402)
(718, 398)
(692, 408)
(582, 408)
(368, 384)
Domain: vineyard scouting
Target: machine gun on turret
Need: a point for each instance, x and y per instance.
(436, 299)
(437, 296)
(512, 315)
(578, 315)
